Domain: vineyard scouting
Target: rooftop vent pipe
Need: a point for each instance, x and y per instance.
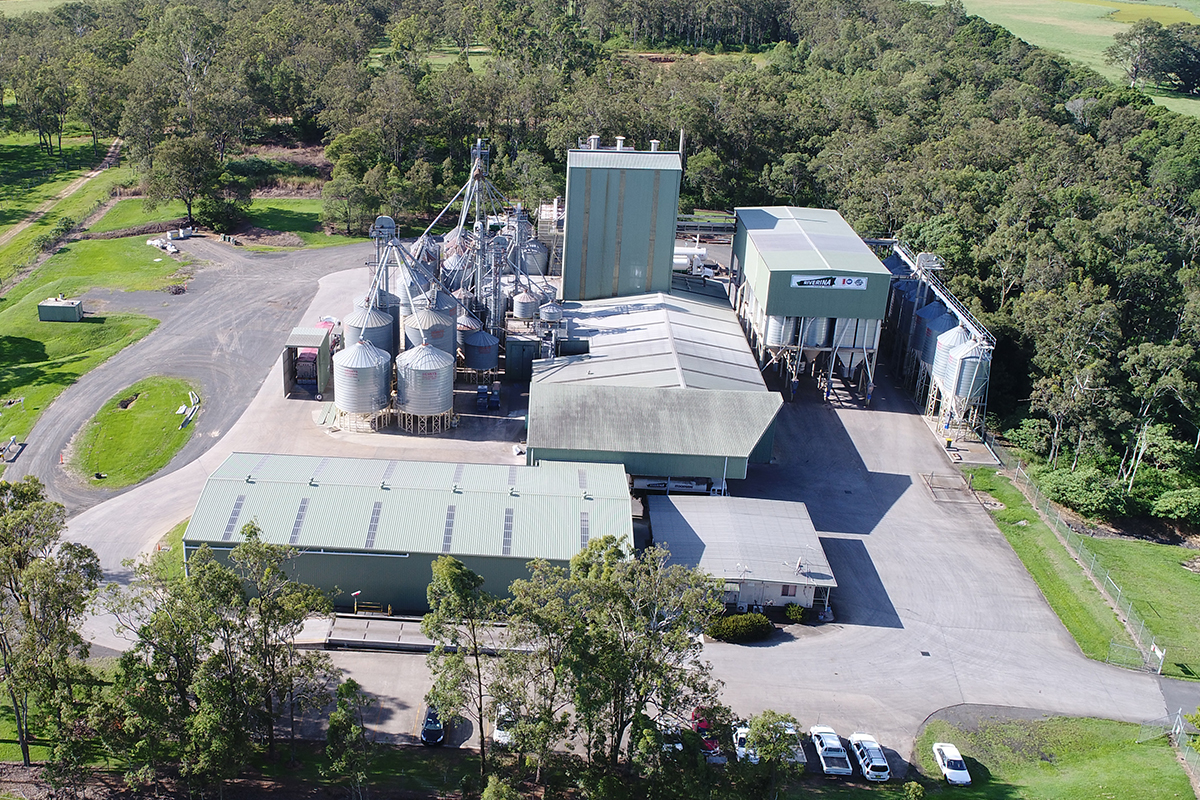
(620, 142)
(594, 142)
(654, 145)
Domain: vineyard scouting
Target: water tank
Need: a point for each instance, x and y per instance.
(781, 331)
(933, 329)
(551, 312)
(361, 378)
(425, 381)
(815, 332)
(970, 365)
(920, 318)
(370, 324)
(425, 325)
(481, 351)
(467, 325)
(943, 373)
(525, 306)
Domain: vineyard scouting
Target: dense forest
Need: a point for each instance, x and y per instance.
(1066, 208)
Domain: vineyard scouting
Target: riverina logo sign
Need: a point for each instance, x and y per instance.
(827, 282)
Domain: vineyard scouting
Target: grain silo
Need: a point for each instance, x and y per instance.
(369, 324)
(481, 351)
(525, 305)
(425, 389)
(933, 329)
(426, 326)
(943, 372)
(361, 378)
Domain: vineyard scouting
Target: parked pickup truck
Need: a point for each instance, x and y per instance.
(834, 758)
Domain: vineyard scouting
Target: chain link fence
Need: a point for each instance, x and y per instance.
(1152, 653)
(1182, 735)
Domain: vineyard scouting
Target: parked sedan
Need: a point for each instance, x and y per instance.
(951, 763)
(743, 752)
(502, 732)
(870, 757)
(433, 732)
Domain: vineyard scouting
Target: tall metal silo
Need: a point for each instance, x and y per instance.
(481, 351)
(781, 331)
(943, 372)
(428, 326)
(933, 329)
(399, 308)
(371, 324)
(971, 366)
(425, 381)
(537, 257)
(815, 331)
(361, 378)
(921, 318)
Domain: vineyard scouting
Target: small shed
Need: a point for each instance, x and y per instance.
(56, 309)
(307, 363)
(766, 551)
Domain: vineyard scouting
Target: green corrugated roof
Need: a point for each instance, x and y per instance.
(623, 159)
(636, 419)
(339, 497)
(807, 240)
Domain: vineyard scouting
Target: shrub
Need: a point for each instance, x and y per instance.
(1032, 435)
(794, 612)
(741, 628)
(1181, 504)
(1087, 490)
(913, 791)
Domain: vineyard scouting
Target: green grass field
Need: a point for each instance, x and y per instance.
(172, 549)
(131, 443)
(437, 772)
(1163, 592)
(299, 216)
(132, 212)
(30, 177)
(40, 359)
(1062, 758)
(1063, 583)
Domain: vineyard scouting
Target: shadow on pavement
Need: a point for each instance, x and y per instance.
(861, 598)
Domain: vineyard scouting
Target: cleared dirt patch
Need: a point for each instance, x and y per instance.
(264, 237)
(127, 402)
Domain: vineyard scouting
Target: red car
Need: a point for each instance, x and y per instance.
(708, 739)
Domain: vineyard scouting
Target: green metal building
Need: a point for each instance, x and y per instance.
(665, 385)
(810, 293)
(376, 526)
(619, 236)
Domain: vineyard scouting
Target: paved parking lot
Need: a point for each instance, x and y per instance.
(933, 608)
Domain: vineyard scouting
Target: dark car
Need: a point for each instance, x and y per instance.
(433, 732)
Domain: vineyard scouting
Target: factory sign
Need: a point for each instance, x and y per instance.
(827, 282)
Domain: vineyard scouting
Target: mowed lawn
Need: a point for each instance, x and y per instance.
(1076, 601)
(30, 177)
(1163, 591)
(135, 434)
(132, 212)
(38, 360)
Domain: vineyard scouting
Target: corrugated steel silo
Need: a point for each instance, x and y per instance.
(551, 312)
(481, 351)
(525, 306)
(425, 381)
(781, 331)
(537, 257)
(815, 331)
(361, 378)
(921, 318)
(466, 326)
(943, 373)
(933, 329)
(971, 364)
(431, 327)
(371, 324)
(399, 308)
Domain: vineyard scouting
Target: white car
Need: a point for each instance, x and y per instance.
(833, 757)
(502, 731)
(744, 753)
(870, 757)
(951, 763)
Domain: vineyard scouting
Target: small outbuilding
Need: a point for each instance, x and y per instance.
(307, 362)
(56, 309)
(375, 526)
(766, 551)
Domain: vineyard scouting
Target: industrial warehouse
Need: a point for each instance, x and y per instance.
(643, 379)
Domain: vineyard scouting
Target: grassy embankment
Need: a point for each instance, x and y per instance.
(131, 443)
(1080, 606)
(38, 360)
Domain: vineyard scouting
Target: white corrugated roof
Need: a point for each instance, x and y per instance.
(807, 239)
